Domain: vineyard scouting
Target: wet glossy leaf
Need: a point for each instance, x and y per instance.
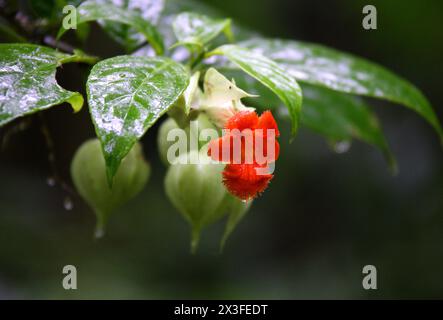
(95, 10)
(197, 29)
(269, 74)
(174, 7)
(128, 36)
(27, 81)
(343, 72)
(126, 95)
(340, 117)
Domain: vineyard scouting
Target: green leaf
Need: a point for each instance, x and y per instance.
(129, 37)
(319, 65)
(197, 29)
(341, 117)
(126, 95)
(269, 74)
(95, 10)
(27, 81)
(174, 7)
(336, 116)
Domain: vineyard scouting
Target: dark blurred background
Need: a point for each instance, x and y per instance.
(323, 218)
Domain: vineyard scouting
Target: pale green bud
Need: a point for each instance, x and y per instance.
(88, 171)
(199, 124)
(197, 191)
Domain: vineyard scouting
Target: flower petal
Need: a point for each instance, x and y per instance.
(242, 180)
(220, 149)
(242, 120)
(267, 121)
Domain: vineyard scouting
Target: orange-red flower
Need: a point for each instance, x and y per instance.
(248, 146)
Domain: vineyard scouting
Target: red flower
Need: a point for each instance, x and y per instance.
(244, 148)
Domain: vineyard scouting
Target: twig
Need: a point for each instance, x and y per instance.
(77, 55)
(53, 42)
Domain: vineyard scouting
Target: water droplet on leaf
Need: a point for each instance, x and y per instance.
(68, 204)
(50, 181)
(342, 146)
